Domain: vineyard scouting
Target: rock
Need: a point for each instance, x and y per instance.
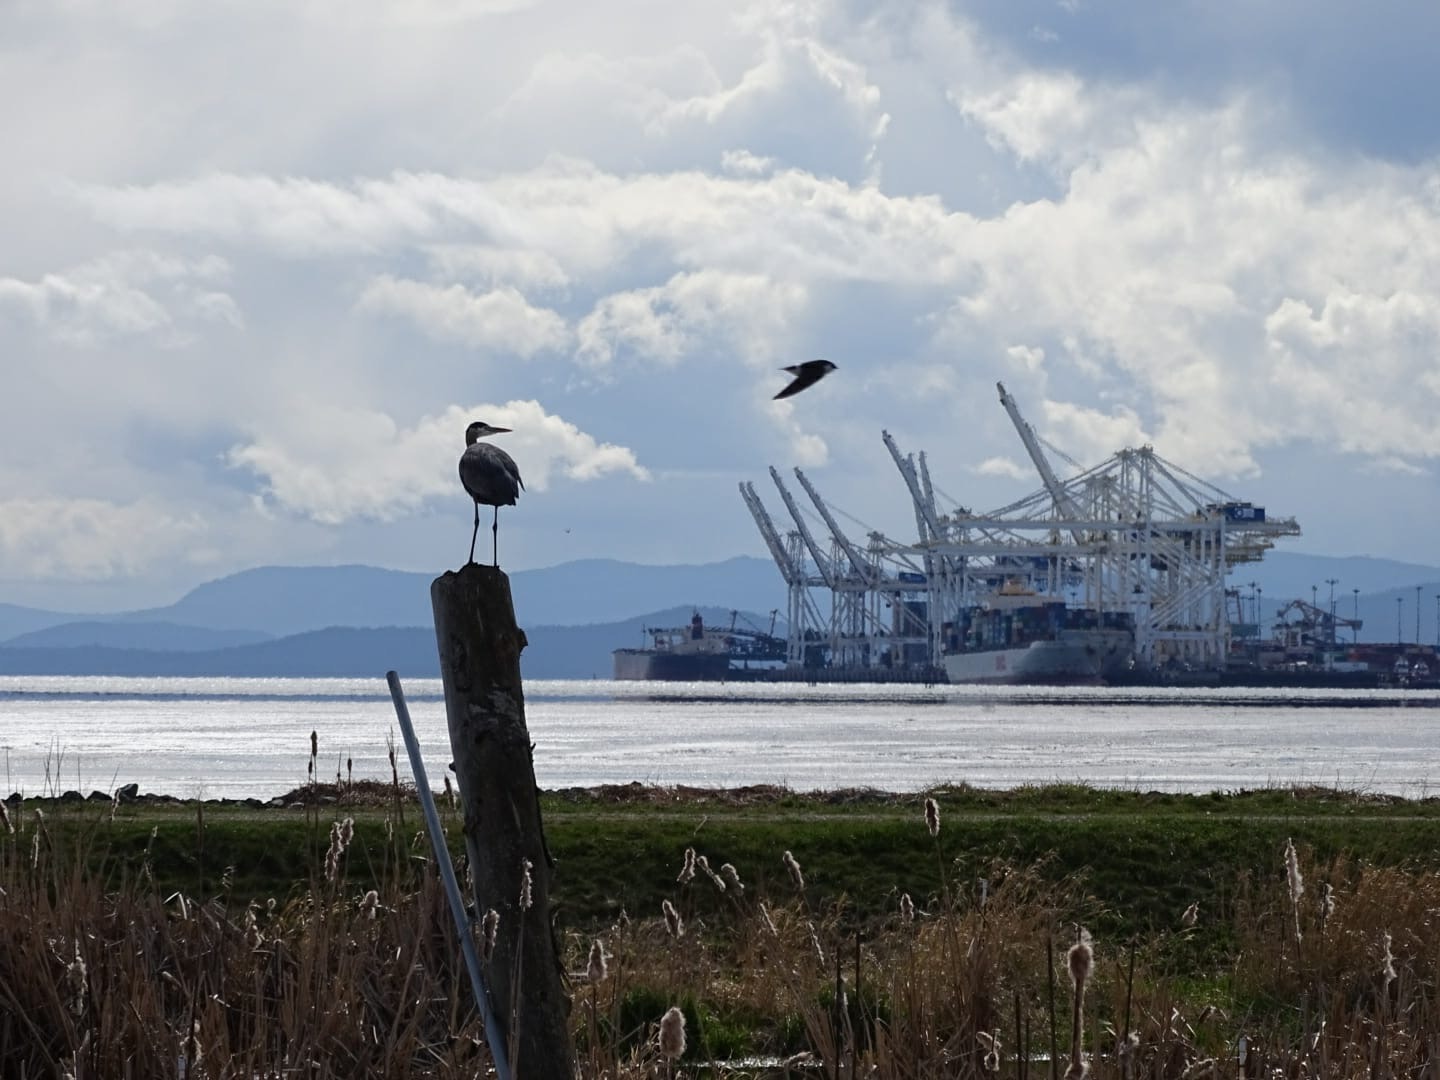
(127, 792)
(72, 796)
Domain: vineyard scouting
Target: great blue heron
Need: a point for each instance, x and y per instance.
(806, 374)
(491, 477)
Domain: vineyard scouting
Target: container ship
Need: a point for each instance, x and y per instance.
(699, 653)
(1019, 636)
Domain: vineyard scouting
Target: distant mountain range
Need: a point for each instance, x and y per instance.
(552, 652)
(360, 620)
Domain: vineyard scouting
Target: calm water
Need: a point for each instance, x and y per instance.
(218, 738)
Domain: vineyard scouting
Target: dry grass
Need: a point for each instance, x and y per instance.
(109, 978)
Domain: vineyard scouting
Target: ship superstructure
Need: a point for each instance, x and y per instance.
(1135, 538)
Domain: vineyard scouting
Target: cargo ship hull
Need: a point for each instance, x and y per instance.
(1072, 657)
(654, 666)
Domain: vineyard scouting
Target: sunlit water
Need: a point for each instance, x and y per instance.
(230, 738)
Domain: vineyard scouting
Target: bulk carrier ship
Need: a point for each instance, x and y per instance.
(698, 653)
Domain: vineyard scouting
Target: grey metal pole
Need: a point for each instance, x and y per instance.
(493, 1034)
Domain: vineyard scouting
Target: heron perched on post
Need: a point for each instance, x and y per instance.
(491, 477)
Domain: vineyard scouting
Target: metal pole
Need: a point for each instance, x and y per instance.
(493, 1034)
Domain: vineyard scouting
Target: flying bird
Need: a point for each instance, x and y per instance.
(806, 374)
(491, 476)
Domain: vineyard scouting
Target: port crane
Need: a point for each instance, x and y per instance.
(1135, 533)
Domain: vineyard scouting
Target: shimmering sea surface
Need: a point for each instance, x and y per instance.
(229, 738)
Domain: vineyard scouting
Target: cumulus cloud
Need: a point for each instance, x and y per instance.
(502, 319)
(1003, 466)
(94, 539)
(747, 311)
(332, 465)
(121, 294)
(673, 200)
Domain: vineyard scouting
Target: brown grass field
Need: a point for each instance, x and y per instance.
(1312, 966)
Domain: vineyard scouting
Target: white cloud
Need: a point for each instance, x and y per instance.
(501, 319)
(94, 540)
(115, 295)
(333, 465)
(663, 323)
(1003, 466)
(744, 163)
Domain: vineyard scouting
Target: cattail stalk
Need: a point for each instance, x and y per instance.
(1080, 959)
(1296, 883)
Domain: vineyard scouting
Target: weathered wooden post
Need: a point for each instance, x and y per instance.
(485, 705)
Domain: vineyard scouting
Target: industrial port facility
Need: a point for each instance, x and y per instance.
(1115, 573)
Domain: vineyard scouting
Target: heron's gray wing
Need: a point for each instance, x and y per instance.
(507, 463)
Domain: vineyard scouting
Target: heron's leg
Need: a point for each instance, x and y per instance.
(495, 539)
(474, 533)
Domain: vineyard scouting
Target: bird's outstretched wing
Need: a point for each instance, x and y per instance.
(806, 374)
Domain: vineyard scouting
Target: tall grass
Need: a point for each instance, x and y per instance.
(1315, 968)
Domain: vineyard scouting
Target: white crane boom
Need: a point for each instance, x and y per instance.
(924, 509)
(862, 568)
(1064, 505)
(822, 564)
(791, 574)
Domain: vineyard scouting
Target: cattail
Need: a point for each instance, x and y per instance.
(984, 893)
(526, 899)
(1296, 882)
(992, 1050)
(672, 1032)
(314, 743)
(77, 980)
(1387, 973)
(349, 772)
(673, 923)
(369, 903)
(492, 926)
(732, 876)
(687, 872)
(932, 817)
(596, 969)
(9, 826)
(715, 879)
(341, 833)
(907, 908)
(449, 793)
(794, 867)
(253, 937)
(1080, 959)
(270, 906)
(1190, 915)
(1327, 904)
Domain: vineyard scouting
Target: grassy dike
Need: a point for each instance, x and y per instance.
(1140, 857)
(135, 933)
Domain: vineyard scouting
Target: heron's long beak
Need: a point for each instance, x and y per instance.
(498, 430)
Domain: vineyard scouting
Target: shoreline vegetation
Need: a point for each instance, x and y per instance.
(954, 932)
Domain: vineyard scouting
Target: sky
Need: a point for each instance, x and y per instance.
(262, 262)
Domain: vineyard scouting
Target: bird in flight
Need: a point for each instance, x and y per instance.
(490, 476)
(806, 374)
